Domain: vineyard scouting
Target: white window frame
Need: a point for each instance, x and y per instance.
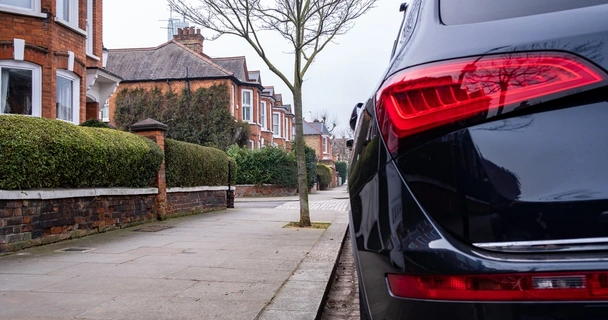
(325, 145)
(105, 108)
(251, 144)
(36, 82)
(75, 94)
(90, 29)
(249, 106)
(263, 121)
(276, 134)
(72, 21)
(33, 10)
(285, 131)
(232, 100)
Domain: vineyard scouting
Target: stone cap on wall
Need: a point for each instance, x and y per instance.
(149, 125)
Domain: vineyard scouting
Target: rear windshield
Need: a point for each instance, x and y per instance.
(471, 11)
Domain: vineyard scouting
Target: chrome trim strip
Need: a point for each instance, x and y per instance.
(541, 243)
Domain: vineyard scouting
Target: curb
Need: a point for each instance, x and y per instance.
(304, 293)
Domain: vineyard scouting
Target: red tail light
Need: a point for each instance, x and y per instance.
(502, 287)
(424, 97)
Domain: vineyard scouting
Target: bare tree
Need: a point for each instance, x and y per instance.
(330, 120)
(308, 25)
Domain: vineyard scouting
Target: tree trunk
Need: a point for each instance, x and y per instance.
(301, 157)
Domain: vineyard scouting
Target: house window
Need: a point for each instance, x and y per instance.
(324, 144)
(276, 124)
(68, 96)
(285, 129)
(90, 27)
(20, 88)
(105, 112)
(67, 11)
(247, 105)
(30, 7)
(263, 114)
(251, 144)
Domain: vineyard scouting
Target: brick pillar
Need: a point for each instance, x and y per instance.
(155, 131)
(92, 111)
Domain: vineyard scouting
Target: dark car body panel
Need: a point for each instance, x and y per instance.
(529, 174)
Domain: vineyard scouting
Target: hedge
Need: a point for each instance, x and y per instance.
(342, 168)
(325, 174)
(41, 153)
(268, 165)
(191, 165)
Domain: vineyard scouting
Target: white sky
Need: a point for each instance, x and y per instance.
(344, 73)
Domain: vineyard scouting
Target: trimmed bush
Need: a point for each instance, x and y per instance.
(191, 165)
(325, 174)
(342, 168)
(268, 165)
(43, 153)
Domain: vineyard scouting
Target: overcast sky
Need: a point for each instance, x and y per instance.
(344, 73)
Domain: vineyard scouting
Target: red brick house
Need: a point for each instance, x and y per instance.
(278, 129)
(181, 60)
(51, 59)
(318, 137)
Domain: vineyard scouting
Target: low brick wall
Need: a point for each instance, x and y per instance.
(191, 200)
(263, 191)
(30, 218)
(36, 217)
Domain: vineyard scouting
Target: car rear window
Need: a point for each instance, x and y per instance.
(472, 11)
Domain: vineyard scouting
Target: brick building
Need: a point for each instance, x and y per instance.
(181, 61)
(318, 138)
(51, 59)
(279, 120)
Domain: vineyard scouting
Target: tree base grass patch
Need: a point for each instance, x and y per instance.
(315, 225)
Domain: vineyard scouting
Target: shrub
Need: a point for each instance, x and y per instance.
(191, 165)
(94, 123)
(43, 153)
(268, 165)
(325, 175)
(342, 168)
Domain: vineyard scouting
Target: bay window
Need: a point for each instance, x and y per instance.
(20, 88)
(68, 97)
(27, 7)
(89, 27)
(247, 105)
(263, 114)
(67, 12)
(276, 124)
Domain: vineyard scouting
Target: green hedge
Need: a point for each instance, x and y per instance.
(325, 174)
(268, 165)
(42, 153)
(191, 165)
(342, 168)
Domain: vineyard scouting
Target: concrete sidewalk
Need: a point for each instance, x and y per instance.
(233, 264)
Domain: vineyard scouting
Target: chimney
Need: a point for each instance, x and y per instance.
(190, 38)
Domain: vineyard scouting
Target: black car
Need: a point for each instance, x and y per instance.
(479, 173)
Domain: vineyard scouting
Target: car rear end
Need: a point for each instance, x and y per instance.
(479, 178)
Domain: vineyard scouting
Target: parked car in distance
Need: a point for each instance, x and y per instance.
(479, 174)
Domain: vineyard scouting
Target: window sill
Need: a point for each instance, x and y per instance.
(92, 56)
(23, 12)
(70, 26)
